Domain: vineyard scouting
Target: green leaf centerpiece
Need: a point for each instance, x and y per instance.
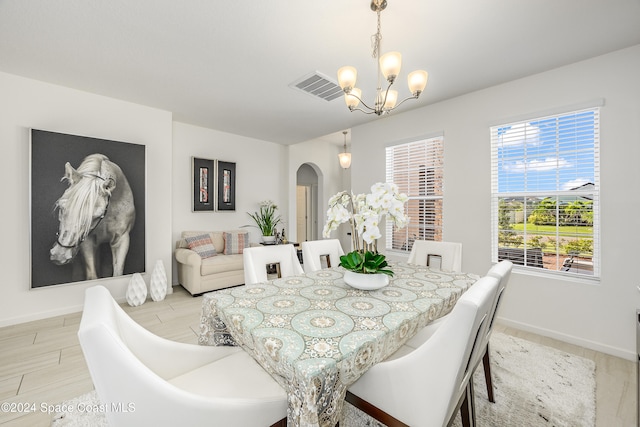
(369, 263)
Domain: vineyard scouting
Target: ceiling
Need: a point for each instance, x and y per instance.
(229, 65)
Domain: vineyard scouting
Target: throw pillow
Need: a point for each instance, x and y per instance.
(234, 243)
(202, 245)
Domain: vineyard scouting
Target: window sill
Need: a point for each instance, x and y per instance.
(548, 274)
(401, 256)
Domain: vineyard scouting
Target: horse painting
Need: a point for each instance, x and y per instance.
(96, 208)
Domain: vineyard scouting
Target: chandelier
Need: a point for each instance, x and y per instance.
(345, 158)
(388, 66)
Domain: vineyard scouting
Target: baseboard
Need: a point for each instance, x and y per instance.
(54, 313)
(592, 345)
(41, 315)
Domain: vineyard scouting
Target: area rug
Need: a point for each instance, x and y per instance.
(534, 385)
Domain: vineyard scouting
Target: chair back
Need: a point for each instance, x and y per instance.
(313, 251)
(438, 371)
(501, 271)
(113, 344)
(425, 252)
(257, 258)
(481, 294)
(134, 370)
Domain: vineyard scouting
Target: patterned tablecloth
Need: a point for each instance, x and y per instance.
(316, 335)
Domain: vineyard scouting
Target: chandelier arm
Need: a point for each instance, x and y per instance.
(365, 112)
(406, 99)
(363, 103)
(384, 101)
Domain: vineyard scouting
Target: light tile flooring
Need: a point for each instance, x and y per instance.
(41, 362)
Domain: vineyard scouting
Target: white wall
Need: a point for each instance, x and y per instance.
(600, 317)
(25, 104)
(260, 175)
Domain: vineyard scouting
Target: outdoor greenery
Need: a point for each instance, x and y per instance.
(551, 229)
(555, 226)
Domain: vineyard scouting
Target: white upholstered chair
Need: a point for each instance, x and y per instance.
(312, 252)
(501, 271)
(427, 252)
(425, 386)
(170, 383)
(257, 258)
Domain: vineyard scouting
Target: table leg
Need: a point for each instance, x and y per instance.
(281, 423)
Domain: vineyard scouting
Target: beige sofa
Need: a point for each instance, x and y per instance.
(198, 275)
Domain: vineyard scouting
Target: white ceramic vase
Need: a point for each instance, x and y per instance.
(269, 239)
(367, 282)
(136, 291)
(158, 283)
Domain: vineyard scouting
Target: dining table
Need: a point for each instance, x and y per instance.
(316, 335)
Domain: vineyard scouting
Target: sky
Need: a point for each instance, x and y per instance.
(548, 154)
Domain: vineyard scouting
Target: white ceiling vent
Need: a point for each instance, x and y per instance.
(318, 85)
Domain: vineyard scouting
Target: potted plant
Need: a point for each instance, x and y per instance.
(364, 213)
(266, 220)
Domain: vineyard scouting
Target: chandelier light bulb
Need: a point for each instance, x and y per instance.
(345, 160)
(390, 64)
(347, 78)
(417, 82)
(353, 98)
(392, 98)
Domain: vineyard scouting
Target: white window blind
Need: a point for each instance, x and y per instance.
(417, 168)
(545, 193)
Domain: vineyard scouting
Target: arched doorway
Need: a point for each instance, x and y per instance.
(306, 203)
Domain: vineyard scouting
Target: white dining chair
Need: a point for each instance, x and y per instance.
(313, 252)
(501, 271)
(425, 386)
(166, 383)
(430, 253)
(256, 259)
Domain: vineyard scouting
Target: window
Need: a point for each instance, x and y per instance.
(545, 192)
(417, 168)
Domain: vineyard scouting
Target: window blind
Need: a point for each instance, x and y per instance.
(417, 168)
(545, 184)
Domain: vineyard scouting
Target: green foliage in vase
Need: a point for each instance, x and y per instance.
(266, 219)
(367, 263)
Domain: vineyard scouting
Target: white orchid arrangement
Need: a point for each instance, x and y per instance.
(364, 212)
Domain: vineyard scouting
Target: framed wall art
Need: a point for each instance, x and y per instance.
(203, 184)
(226, 186)
(87, 208)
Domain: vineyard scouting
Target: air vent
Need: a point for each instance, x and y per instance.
(319, 86)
